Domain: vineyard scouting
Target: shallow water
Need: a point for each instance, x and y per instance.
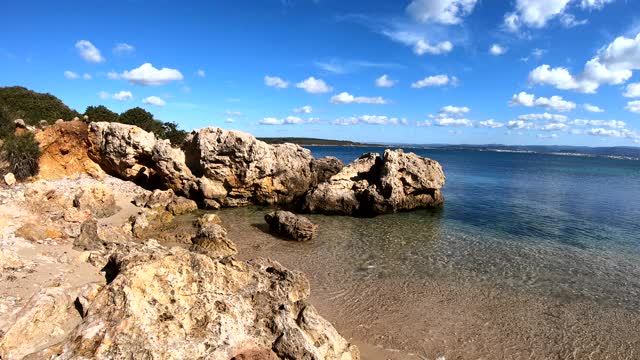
(532, 256)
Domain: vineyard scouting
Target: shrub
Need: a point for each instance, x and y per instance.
(101, 113)
(175, 135)
(22, 152)
(6, 122)
(32, 106)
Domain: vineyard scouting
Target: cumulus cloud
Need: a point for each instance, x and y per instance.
(371, 120)
(623, 133)
(554, 103)
(71, 75)
(633, 106)
(612, 65)
(632, 90)
(547, 136)
(276, 82)
(435, 80)
(614, 124)
(346, 98)
(86, 76)
(554, 127)
(418, 42)
(592, 108)
(123, 48)
(89, 52)
(303, 110)
(233, 113)
(229, 120)
(544, 117)
(146, 75)
(448, 12)
(497, 49)
(537, 13)
(520, 124)
(154, 100)
(448, 121)
(454, 110)
(385, 81)
(314, 86)
(201, 73)
(289, 120)
(490, 124)
(123, 96)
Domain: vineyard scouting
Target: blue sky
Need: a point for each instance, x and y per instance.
(421, 71)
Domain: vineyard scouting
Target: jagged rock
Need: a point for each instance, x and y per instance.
(212, 241)
(180, 205)
(373, 185)
(324, 168)
(10, 260)
(175, 304)
(250, 170)
(290, 225)
(20, 124)
(44, 321)
(98, 199)
(208, 219)
(75, 215)
(9, 179)
(88, 239)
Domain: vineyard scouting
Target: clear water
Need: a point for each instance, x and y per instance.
(532, 256)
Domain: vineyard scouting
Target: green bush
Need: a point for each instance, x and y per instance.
(101, 113)
(7, 124)
(32, 106)
(22, 152)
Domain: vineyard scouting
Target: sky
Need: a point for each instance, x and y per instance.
(514, 72)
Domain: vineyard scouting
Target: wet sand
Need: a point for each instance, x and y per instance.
(439, 314)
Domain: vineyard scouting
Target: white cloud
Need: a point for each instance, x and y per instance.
(201, 73)
(436, 80)
(594, 4)
(314, 86)
(104, 95)
(632, 90)
(86, 76)
(303, 110)
(229, 120)
(71, 75)
(490, 124)
(154, 100)
(447, 121)
(592, 108)
(89, 52)
(371, 120)
(385, 81)
(276, 82)
(123, 96)
(623, 133)
(555, 103)
(419, 43)
(233, 113)
(123, 48)
(497, 49)
(289, 120)
(544, 117)
(547, 136)
(554, 127)
(520, 124)
(346, 98)
(537, 13)
(454, 110)
(615, 124)
(447, 12)
(613, 65)
(112, 75)
(146, 74)
(633, 106)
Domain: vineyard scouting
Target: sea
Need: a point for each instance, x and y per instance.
(532, 256)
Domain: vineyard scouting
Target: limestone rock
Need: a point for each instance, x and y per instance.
(372, 185)
(208, 219)
(98, 199)
(290, 225)
(9, 179)
(324, 168)
(251, 171)
(175, 304)
(180, 205)
(75, 215)
(212, 241)
(10, 260)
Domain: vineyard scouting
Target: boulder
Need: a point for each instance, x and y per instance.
(9, 259)
(375, 184)
(98, 199)
(175, 304)
(241, 169)
(324, 168)
(20, 124)
(76, 216)
(207, 219)
(290, 225)
(9, 179)
(212, 241)
(180, 205)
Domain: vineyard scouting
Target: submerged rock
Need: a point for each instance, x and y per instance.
(372, 185)
(291, 226)
(212, 241)
(177, 304)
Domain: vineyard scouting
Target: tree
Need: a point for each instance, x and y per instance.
(175, 135)
(101, 113)
(32, 106)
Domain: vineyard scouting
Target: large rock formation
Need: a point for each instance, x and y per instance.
(372, 185)
(175, 304)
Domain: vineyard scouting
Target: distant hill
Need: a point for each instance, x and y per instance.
(311, 141)
(20, 102)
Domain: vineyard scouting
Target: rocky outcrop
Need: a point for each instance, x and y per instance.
(212, 241)
(98, 199)
(375, 184)
(290, 225)
(324, 168)
(177, 304)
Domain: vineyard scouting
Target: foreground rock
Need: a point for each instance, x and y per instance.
(291, 226)
(375, 184)
(177, 304)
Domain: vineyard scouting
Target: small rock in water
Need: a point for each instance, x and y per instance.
(290, 225)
